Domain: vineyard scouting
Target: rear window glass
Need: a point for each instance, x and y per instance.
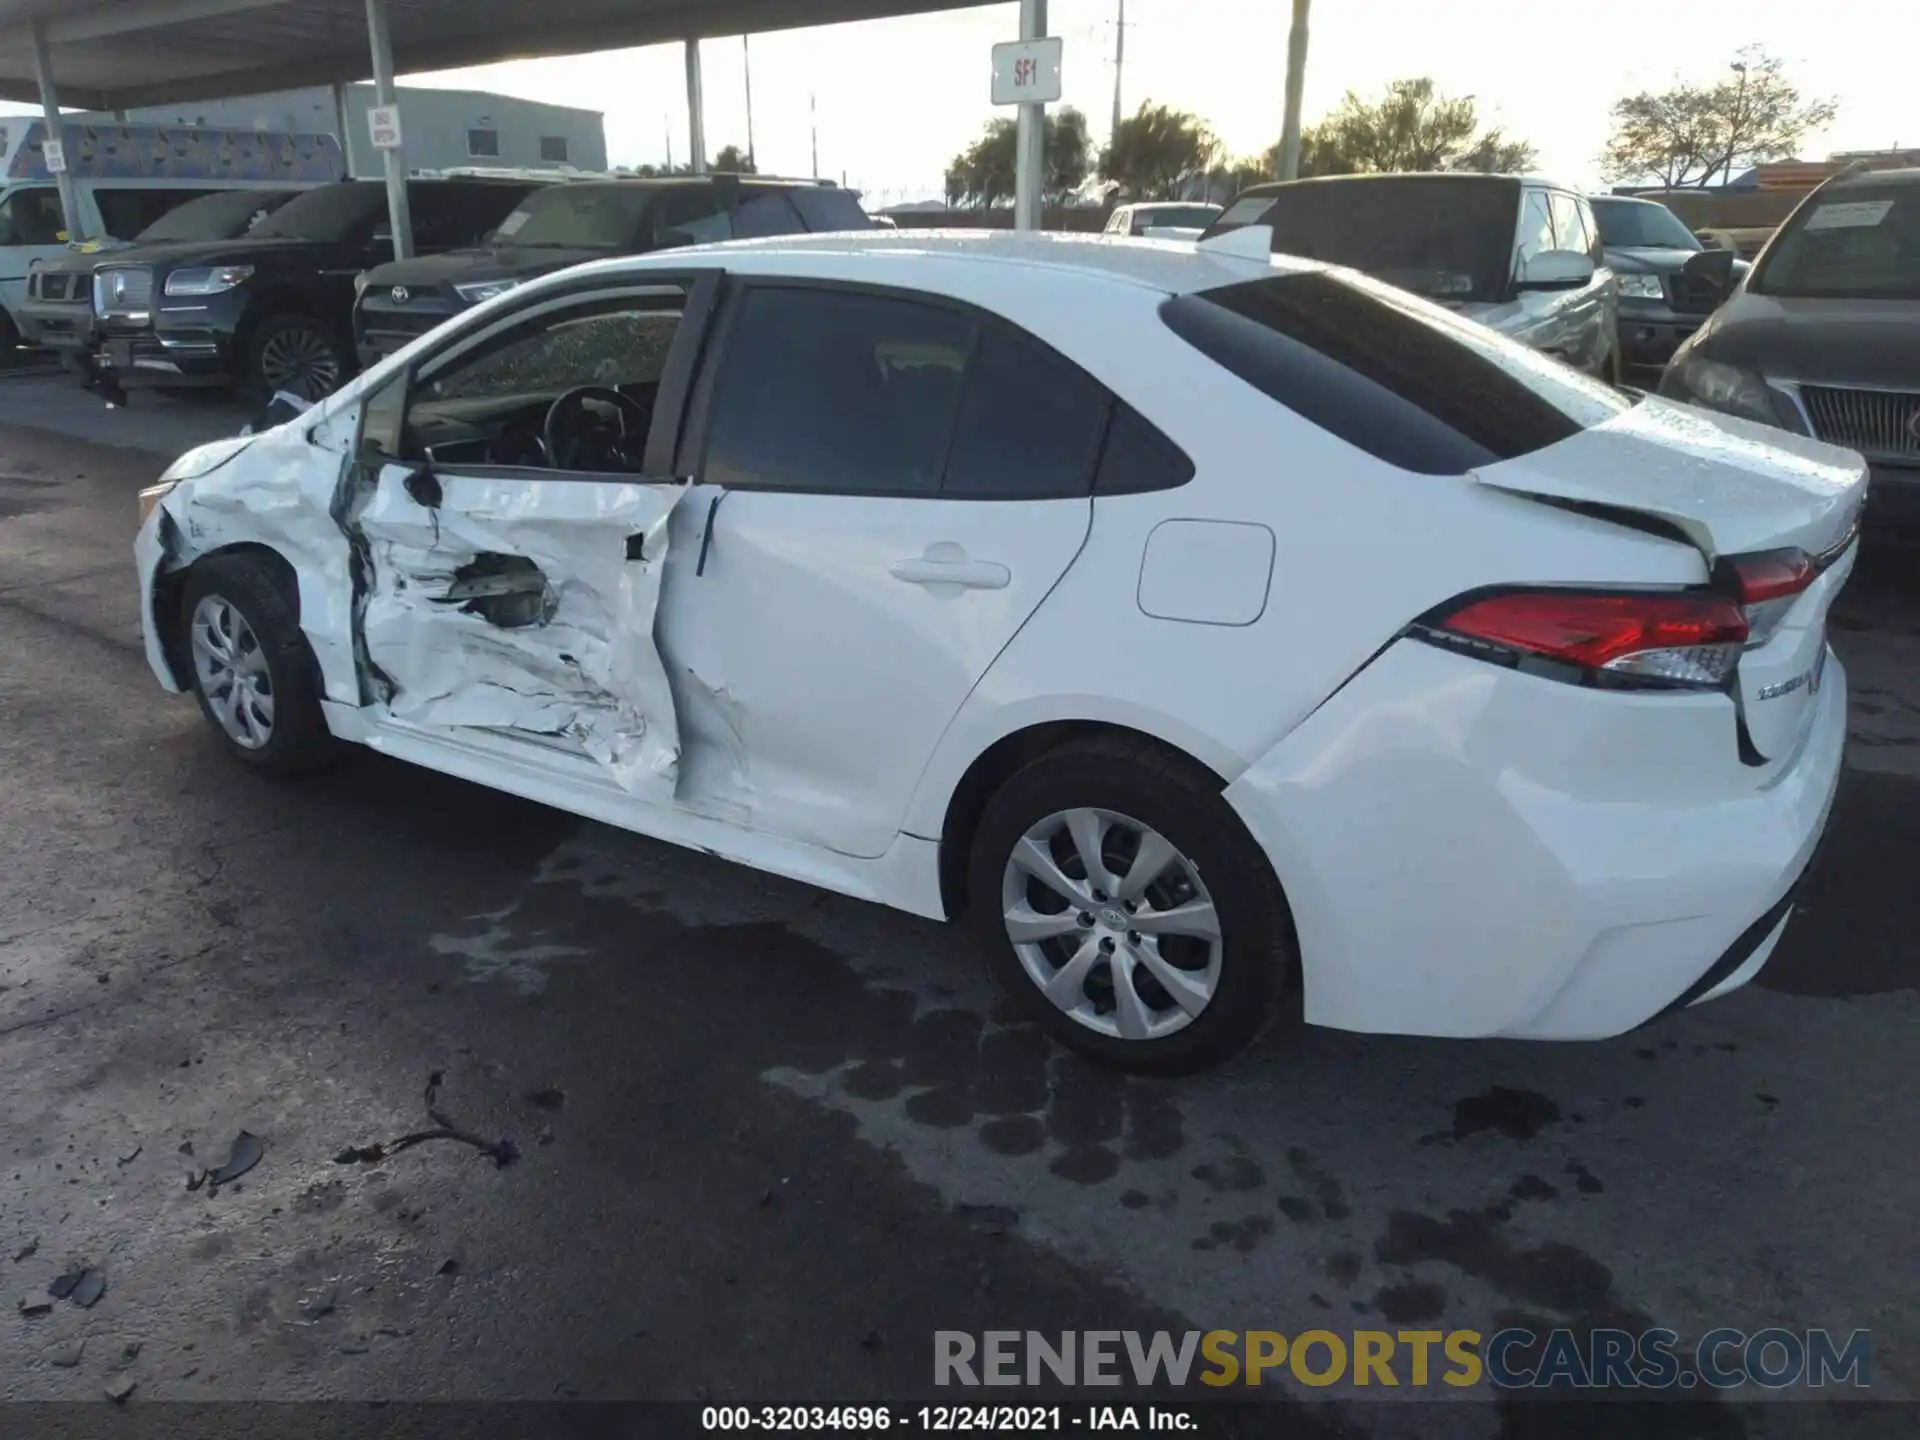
(576, 217)
(825, 209)
(1407, 382)
(1447, 237)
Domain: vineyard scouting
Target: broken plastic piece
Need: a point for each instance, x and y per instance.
(246, 1153)
(61, 1288)
(87, 1293)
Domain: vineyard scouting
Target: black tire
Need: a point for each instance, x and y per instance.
(299, 741)
(1258, 963)
(293, 328)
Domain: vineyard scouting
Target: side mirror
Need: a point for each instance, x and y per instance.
(279, 409)
(1556, 270)
(1710, 272)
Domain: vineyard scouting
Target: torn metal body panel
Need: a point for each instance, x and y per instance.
(282, 498)
(527, 608)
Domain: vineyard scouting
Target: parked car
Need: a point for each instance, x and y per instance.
(1520, 255)
(1198, 626)
(123, 178)
(58, 310)
(1665, 292)
(270, 310)
(567, 224)
(1823, 338)
(1162, 220)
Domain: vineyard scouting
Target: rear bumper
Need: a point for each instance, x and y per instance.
(1473, 852)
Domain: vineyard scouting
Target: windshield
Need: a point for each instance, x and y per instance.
(1449, 238)
(576, 217)
(1190, 217)
(1860, 243)
(332, 212)
(215, 217)
(1640, 224)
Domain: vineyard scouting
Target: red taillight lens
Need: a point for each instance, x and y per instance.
(1771, 575)
(1685, 639)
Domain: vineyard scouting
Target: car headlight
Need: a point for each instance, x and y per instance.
(480, 290)
(207, 280)
(1642, 287)
(1721, 387)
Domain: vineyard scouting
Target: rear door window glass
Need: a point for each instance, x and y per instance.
(1407, 382)
(1137, 458)
(1030, 422)
(836, 391)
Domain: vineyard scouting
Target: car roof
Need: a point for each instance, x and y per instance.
(897, 256)
(1167, 266)
(1456, 177)
(1864, 178)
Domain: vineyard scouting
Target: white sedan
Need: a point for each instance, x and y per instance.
(1198, 623)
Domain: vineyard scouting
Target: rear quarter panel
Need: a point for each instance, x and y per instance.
(1360, 550)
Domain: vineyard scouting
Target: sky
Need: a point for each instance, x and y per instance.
(896, 99)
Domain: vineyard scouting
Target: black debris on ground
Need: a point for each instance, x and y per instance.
(246, 1153)
(503, 1152)
(87, 1293)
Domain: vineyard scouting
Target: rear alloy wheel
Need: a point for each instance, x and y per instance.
(1126, 909)
(296, 354)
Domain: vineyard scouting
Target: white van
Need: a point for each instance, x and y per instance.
(127, 176)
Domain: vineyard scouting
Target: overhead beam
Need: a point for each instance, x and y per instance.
(67, 26)
(540, 34)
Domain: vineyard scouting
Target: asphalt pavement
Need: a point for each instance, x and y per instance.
(768, 1140)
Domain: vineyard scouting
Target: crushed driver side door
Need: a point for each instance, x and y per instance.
(509, 525)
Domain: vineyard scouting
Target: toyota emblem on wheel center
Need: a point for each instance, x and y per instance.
(400, 294)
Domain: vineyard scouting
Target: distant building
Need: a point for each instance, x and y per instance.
(441, 128)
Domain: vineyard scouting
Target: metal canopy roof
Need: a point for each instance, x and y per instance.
(115, 54)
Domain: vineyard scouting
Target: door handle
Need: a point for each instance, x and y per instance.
(946, 566)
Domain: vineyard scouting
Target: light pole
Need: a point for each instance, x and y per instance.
(1296, 82)
(746, 59)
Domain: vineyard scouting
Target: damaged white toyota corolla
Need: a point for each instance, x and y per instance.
(1203, 625)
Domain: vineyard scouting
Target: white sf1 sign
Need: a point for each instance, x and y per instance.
(1027, 72)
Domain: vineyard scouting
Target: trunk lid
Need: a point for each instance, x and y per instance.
(1735, 490)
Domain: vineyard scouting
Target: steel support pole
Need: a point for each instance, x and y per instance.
(1030, 145)
(399, 213)
(50, 110)
(696, 110)
(1296, 82)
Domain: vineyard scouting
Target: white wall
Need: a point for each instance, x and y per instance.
(433, 123)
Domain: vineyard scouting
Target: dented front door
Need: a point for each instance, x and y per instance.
(510, 563)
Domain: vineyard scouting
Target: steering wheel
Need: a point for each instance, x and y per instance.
(572, 438)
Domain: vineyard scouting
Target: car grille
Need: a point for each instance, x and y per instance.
(1880, 424)
(122, 289)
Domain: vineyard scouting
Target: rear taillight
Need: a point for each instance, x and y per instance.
(1626, 638)
(1766, 585)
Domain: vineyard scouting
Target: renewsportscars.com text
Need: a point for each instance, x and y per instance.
(1513, 1358)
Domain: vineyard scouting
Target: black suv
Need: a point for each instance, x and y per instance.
(576, 221)
(273, 309)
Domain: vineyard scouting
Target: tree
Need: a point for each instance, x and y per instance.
(1156, 151)
(1412, 127)
(983, 174)
(733, 158)
(1687, 134)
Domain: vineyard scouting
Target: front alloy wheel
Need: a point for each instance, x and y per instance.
(299, 358)
(1112, 924)
(232, 671)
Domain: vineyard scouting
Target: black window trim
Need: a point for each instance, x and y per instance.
(698, 423)
(700, 286)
